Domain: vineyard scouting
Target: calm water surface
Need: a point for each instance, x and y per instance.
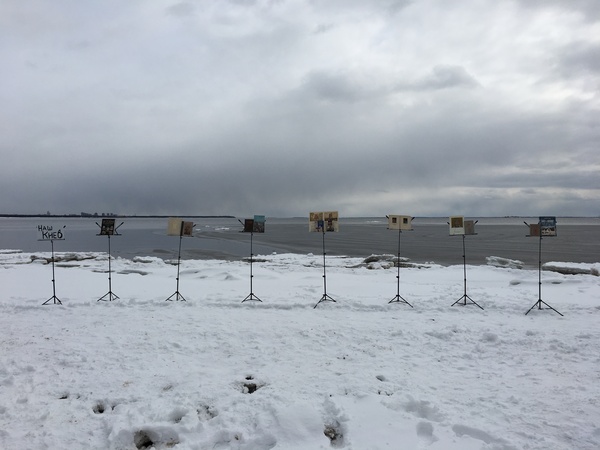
(578, 239)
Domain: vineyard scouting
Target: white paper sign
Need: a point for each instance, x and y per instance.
(49, 233)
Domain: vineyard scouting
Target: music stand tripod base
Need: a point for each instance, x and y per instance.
(539, 305)
(111, 296)
(178, 297)
(464, 303)
(56, 300)
(540, 301)
(325, 298)
(465, 296)
(108, 230)
(251, 297)
(399, 299)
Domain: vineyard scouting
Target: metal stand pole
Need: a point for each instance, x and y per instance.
(54, 298)
(176, 294)
(465, 296)
(111, 296)
(398, 298)
(540, 301)
(251, 295)
(325, 297)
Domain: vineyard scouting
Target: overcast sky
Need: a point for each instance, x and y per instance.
(281, 107)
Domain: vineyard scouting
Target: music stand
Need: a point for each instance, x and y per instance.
(399, 222)
(186, 229)
(324, 222)
(325, 297)
(547, 227)
(108, 229)
(251, 226)
(468, 227)
(45, 234)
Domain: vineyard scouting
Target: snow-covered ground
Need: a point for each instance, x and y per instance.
(360, 373)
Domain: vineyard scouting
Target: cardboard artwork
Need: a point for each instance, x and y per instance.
(248, 225)
(396, 222)
(325, 221)
(188, 229)
(470, 227)
(315, 222)
(259, 224)
(256, 225)
(179, 227)
(534, 229)
(331, 221)
(547, 226)
(108, 227)
(174, 226)
(457, 225)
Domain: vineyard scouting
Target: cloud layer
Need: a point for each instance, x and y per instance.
(281, 107)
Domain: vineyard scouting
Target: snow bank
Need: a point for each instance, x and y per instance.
(215, 373)
(498, 261)
(572, 268)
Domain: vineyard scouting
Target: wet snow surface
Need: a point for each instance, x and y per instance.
(359, 373)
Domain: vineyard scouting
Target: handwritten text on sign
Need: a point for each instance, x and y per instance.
(47, 233)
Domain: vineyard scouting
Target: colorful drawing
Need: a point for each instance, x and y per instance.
(315, 222)
(256, 225)
(325, 221)
(259, 224)
(548, 226)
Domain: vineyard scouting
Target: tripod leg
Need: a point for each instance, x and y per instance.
(474, 302)
(534, 305)
(551, 308)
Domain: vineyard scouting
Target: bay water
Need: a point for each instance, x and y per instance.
(577, 240)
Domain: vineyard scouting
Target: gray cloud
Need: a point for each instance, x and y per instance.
(441, 77)
(578, 57)
(283, 107)
(589, 10)
(181, 9)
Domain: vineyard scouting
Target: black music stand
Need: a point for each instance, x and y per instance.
(325, 297)
(108, 229)
(54, 298)
(177, 294)
(534, 231)
(462, 301)
(398, 298)
(249, 226)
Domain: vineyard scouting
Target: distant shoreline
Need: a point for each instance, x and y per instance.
(115, 216)
(151, 216)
